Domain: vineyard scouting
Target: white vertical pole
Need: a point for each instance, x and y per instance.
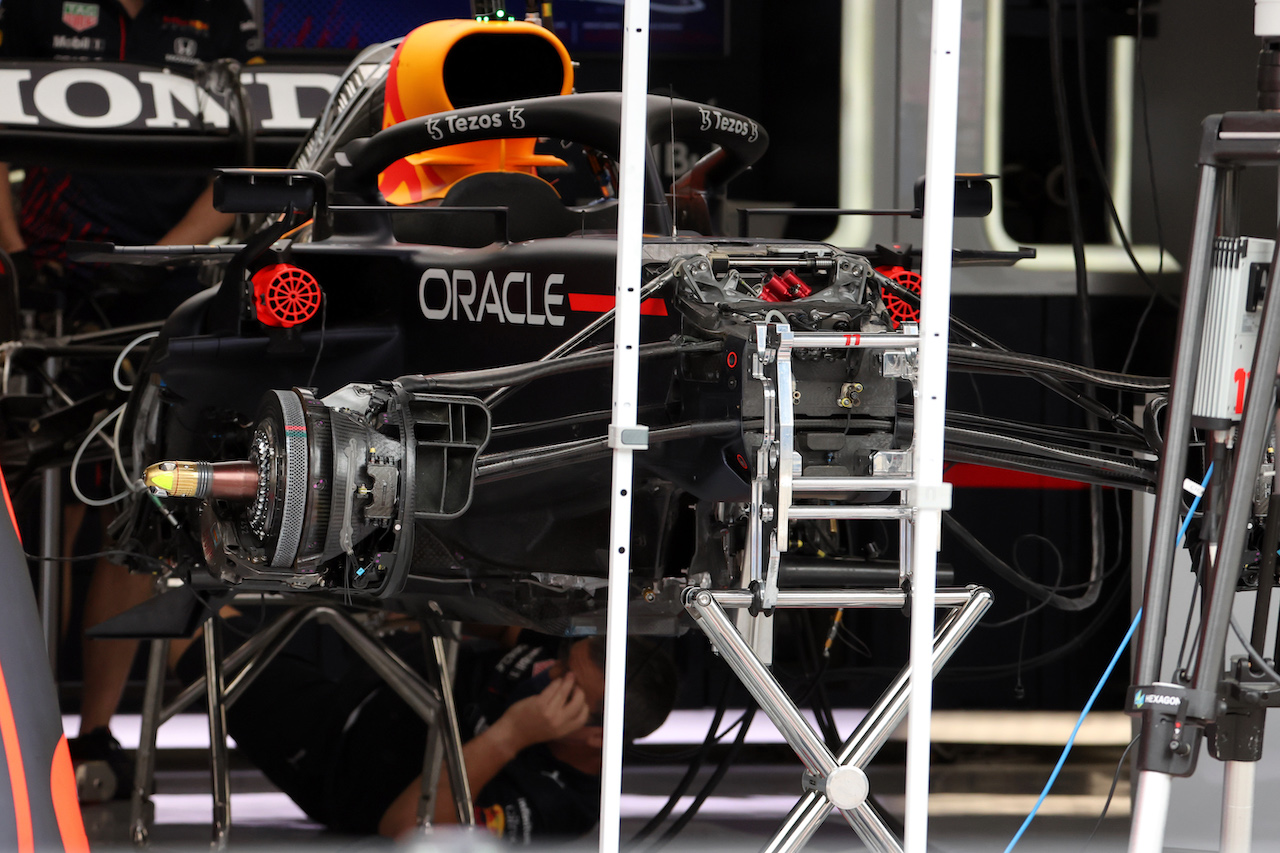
(626, 367)
(931, 496)
(1238, 783)
(1150, 812)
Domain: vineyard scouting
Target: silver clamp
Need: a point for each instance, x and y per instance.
(845, 787)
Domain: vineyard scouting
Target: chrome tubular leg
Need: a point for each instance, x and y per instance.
(879, 724)
(400, 677)
(451, 734)
(144, 772)
(774, 701)
(872, 830)
(254, 649)
(432, 758)
(248, 666)
(885, 716)
(221, 777)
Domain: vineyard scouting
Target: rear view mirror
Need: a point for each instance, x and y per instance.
(973, 196)
(267, 190)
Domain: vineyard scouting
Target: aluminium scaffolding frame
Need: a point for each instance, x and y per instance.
(925, 496)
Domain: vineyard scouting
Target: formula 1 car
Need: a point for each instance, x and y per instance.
(407, 404)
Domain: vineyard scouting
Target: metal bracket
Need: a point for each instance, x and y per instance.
(891, 463)
(629, 438)
(932, 497)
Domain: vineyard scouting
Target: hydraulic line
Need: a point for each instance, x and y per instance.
(1021, 362)
(1033, 432)
(585, 334)
(500, 466)
(1002, 426)
(495, 377)
(963, 329)
(993, 441)
(1133, 479)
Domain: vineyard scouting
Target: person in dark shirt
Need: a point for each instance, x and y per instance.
(58, 205)
(349, 751)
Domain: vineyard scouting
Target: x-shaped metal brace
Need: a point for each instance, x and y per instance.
(831, 781)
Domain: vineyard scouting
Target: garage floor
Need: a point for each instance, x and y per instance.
(981, 793)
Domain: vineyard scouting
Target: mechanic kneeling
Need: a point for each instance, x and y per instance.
(349, 751)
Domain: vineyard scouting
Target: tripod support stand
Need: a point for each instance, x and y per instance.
(1228, 705)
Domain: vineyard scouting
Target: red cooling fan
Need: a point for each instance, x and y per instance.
(284, 295)
(899, 309)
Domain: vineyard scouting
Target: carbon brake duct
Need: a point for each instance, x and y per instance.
(331, 489)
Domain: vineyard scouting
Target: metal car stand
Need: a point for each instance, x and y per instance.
(226, 680)
(831, 781)
(1175, 716)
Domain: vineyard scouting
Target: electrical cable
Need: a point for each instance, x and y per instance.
(1182, 659)
(75, 464)
(1084, 310)
(992, 671)
(1004, 426)
(115, 369)
(1066, 750)
(1030, 611)
(324, 319)
(1101, 170)
(711, 784)
(1151, 179)
(1036, 590)
(994, 441)
(93, 555)
(1137, 330)
(1088, 706)
(1256, 658)
(1115, 780)
(743, 723)
(1072, 187)
(690, 774)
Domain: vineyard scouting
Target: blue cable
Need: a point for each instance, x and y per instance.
(1088, 706)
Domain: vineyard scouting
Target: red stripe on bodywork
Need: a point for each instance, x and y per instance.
(17, 773)
(66, 802)
(4, 489)
(969, 476)
(594, 303)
